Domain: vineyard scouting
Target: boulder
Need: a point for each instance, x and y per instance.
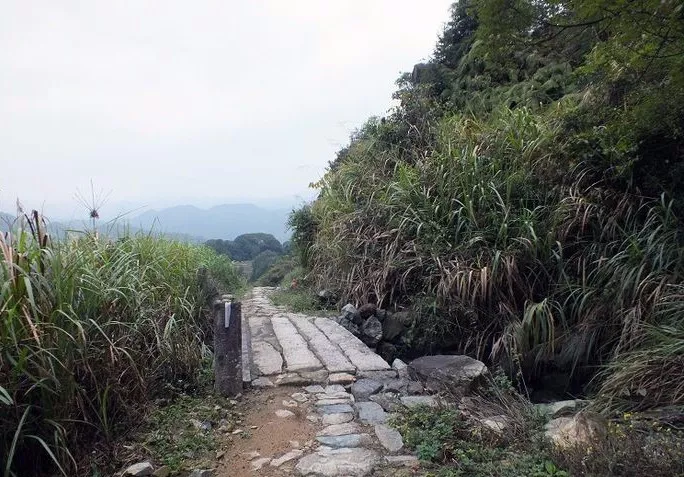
(141, 469)
(560, 408)
(350, 313)
(455, 374)
(371, 331)
(392, 328)
(579, 429)
(367, 310)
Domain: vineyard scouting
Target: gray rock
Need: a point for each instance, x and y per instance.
(314, 389)
(348, 440)
(262, 383)
(141, 469)
(455, 374)
(331, 402)
(339, 429)
(401, 367)
(290, 378)
(335, 388)
(413, 401)
(365, 388)
(399, 385)
(367, 310)
(387, 351)
(299, 397)
(345, 395)
(351, 315)
(389, 402)
(389, 437)
(201, 473)
(293, 454)
(284, 413)
(378, 375)
(336, 409)
(371, 331)
(259, 463)
(392, 327)
(415, 387)
(497, 424)
(163, 471)
(577, 430)
(401, 460)
(339, 418)
(341, 378)
(371, 413)
(559, 408)
(356, 462)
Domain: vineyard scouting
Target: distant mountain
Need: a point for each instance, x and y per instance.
(220, 222)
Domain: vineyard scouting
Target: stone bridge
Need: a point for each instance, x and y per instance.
(280, 348)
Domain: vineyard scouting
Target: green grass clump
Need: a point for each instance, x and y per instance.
(449, 446)
(90, 330)
(174, 434)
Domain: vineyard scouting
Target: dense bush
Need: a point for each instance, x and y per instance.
(262, 263)
(246, 246)
(90, 330)
(525, 197)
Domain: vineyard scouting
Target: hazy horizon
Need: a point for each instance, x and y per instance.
(163, 104)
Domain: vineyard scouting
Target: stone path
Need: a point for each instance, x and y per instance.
(347, 392)
(352, 438)
(292, 348)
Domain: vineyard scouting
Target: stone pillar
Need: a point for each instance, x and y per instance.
(227, 347)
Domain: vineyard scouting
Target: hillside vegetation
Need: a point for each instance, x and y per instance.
(93, 329)
(525, 197)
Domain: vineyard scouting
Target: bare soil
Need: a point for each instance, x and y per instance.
(269, 435)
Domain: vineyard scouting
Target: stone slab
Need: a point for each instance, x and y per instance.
(348, 440)
(371, 413)
(266, 358)
(389, 437)
(358, 353)
(335, 409)
(355, 462)
(329, 353)
(298, 356)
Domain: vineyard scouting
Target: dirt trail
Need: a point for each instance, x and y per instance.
(272, 437)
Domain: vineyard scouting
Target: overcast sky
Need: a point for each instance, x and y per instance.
(205, 101)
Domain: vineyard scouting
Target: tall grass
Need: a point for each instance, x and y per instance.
(90, 329)
(504, 257)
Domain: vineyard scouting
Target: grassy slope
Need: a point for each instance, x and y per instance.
(91, 329)
(517, 201)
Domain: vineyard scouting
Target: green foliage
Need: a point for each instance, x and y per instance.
(246, 246)
(275, 275)
(443, 436)
(525, 197)
(303, 225)
(174, 435)
(90, 330)
(262, 263)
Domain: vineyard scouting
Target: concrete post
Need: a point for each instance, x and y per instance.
(227, 347)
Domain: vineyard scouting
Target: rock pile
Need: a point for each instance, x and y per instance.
(377, 328)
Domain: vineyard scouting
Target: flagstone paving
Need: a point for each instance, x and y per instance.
(292, 348)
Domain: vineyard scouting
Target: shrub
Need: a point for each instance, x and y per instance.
(91, 329)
